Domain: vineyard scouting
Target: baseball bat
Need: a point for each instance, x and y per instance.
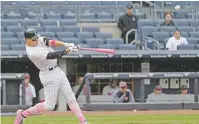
(110, 51)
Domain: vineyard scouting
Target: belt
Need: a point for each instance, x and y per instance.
(50, 69)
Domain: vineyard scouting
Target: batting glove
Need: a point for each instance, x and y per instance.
(69, 45)
(73, 49)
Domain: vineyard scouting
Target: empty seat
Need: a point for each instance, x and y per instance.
(9, 22)
(84, 45)
(5, 47)
(194, 34)
(187, 47)
(191, 40)
(114, 41)
(106, 46)
(14, 16)
(37, 28)
(147, 31)
(103, 36)
(145, 22)
(47, 34)
(68, 22)
(9, 41)
(7, 34)
(197, 28)
(82, 36)
(88, 17)
(53, 16)
(107, 16)
(93, 42)
(160, 36)
(61, 35)
(108, 3)
(20, 35)
(23, 41)
(53, 29)
(197, 46)
(90, 29)
(167, 29)
(126, 47)
(185, 29)
(18, 47)
(47, 22)
(70, 40)
(70, 16)
(74, 29)
(181, 22)
(15, 29)
(30, 23)
(2, 29)
(194, 23)
(93, 3)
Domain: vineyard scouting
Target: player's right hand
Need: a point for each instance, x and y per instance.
(69, 45)
(73, 49)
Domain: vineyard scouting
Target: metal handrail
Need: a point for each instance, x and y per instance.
(151, 4)
(149, 38)
(127, 34)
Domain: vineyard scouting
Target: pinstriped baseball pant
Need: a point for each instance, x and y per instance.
(54, 81)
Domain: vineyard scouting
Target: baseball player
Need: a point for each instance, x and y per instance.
(39, 51)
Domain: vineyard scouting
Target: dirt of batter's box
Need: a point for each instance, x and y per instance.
(134, 112)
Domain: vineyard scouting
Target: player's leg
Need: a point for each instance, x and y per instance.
(66, 89)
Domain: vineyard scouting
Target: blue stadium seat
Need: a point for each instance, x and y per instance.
(185, 29)
(7, 35)
(91, 29)
(30, 23)
(194, 23)
(147, 31)
(191, 40)
(61, 35)
(114, 41)
(181, 22)
(167, 29)
(53, 16)
(70, 40)
(84, 45)
(108, 3)
(82, 36)
(90, 3)
(47, 34)
(9, 41)
(69, 15)
(126, 47)
(68, 22)
(160, 36)
(187, 47)
(14, 29)
(197, 46)
(37, 28)
(123, 3)
(18, 47)
(2, 29)
(88, 17)
(20, 35)
(105, 16)
(103, 36)
(48, 22)
(5, 47)
(106, 46)
(14, 16)
(197, 28)
(9, 22)
(23, 41)
(53, 29)
(194, 34)
(93, 42)
(74, 29)
(146, 22)
(183, 34)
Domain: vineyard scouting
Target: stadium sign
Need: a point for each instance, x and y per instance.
(141, 75)
(103, 75)
(173, 75)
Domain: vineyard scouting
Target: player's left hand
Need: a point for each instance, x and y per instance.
(74, 49)
(69, 45)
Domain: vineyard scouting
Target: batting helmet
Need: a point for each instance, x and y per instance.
(31, 34)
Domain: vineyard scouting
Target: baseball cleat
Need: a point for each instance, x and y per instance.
(19, 118)
(84, 122)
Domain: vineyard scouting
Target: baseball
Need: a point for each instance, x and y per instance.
(134, 110)
(177, 7)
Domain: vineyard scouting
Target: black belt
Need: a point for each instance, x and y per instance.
(50, 69)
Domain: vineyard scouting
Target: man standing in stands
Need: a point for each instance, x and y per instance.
(111, 88)
(29, 91)
(168, 20)
(127, 22)
(124, 95)
(175, 41)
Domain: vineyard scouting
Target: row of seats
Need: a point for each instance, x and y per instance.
(188, 47)
(51, 29)
(82, 36)
(178, 22)
(35, 22)
(21, 47)
(71, 3)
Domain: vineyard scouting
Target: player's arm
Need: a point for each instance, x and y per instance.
(54, 43)
(57, 54)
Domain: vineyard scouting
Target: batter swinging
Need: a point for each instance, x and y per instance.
(52, 77)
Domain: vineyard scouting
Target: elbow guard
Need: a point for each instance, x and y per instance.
(57, 54)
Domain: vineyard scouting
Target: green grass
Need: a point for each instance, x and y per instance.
(127, 119)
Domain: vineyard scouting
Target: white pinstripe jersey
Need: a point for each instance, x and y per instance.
(38, 55)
